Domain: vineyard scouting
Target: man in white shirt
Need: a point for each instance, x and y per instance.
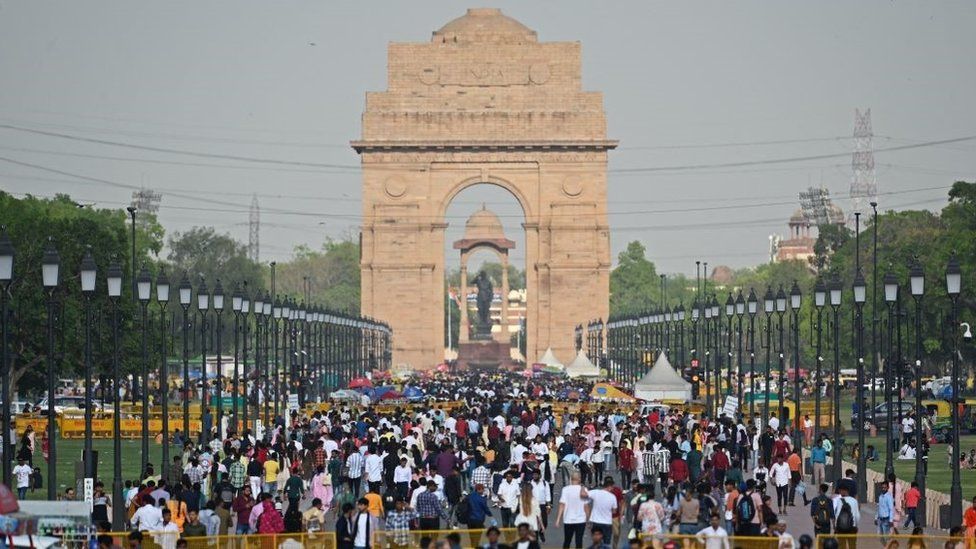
(855, 513)
(23, 473)
(780, 475)
(401, 478)
(517, 454)
(148, 518)
(714, 536)
(540, 491)
(166, 534)
(374, 469)
(508, 498)
(573, 510)
(602, 505)
(907, 428)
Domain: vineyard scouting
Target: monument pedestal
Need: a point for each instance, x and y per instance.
(484, 354)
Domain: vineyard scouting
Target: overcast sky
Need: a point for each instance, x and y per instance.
(684, 84)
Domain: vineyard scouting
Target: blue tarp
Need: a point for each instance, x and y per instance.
(413, 393)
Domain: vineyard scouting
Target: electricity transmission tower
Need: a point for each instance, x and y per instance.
(254, 231)
(864, 185)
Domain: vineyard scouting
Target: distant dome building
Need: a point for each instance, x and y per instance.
(798, 246)
(722, 275)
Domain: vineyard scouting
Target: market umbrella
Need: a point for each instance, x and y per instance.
(391, 395)
(359, 383)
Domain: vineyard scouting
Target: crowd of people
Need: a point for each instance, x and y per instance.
(507, 469)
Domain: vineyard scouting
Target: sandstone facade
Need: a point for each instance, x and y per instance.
(484, 102)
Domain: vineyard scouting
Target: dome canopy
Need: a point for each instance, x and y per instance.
(483, 225)
(484, 26)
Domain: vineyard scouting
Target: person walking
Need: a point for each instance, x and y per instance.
(912, 498)
(573, 512)
(508, 498)
(429, 508)
(713, 536)
(886, 510)
(687, 515)
(603, 503)
(847, 515)
(780, 474)
(818, 459)
(822, 512)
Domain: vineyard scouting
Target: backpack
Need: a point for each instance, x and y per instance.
(845, 518)
(746, 508)
(463, 510)
(822, 517)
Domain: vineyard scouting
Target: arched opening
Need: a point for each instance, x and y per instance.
(484, 234)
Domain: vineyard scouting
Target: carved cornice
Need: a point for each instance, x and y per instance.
(377, 145)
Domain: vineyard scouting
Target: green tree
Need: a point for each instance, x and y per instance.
(329, 276)
(71, 228)
(634, 283)
(204, 254)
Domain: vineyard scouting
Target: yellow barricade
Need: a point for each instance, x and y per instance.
(900, 541)
(166, 540)
(385, 539)
(657, 541)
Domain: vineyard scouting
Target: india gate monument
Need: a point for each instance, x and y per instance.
(484, 102)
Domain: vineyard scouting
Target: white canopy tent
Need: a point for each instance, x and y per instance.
(549, 359)
(662, 382)
(582, 367)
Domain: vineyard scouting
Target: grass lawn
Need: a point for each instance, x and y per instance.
(69, 453)
(939, 477)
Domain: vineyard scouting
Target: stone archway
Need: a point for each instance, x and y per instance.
(484, 102)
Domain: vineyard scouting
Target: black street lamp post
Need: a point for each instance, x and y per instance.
(236, 302)
(740, 309)
(114, 276)
(162, 297)
(186, 291)
(276, 315)
(88, 279)
(218, 306)
(203, 305)
(916, 278)
(953, 276)
(50, 265)
(710, 394)
(860, 296)
(796, 298)
(890, 296)
(781, 381)
(729, 311)
(752, 306)
(836, 292)
(769, 305)
(6, 278)
(819, 300)
(144, 291)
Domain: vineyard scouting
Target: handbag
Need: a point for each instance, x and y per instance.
(326, 479)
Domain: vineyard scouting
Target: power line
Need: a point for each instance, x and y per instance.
(687, 167)
(245, 208)
(176, 151)
(786, 160)
(171, 162)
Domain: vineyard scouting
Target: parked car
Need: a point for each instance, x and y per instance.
(63, 403)
(19, 407)
(879, 416)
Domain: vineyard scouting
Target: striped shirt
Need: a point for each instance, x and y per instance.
(355, 464)
(656, 463)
